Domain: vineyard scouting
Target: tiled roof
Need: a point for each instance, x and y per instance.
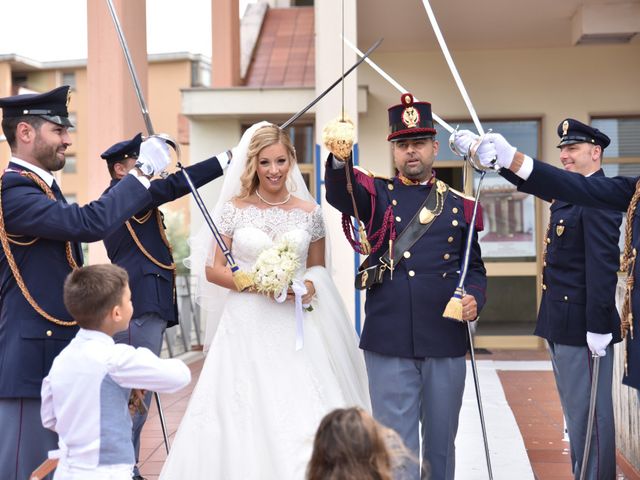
(284, 54)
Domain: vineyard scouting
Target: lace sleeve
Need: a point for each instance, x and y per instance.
(317, 224)
(226, 222)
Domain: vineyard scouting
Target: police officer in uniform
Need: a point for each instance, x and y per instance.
(616, 193)
(415, 357)
(577, 309)
(141, 247)
(40, 235)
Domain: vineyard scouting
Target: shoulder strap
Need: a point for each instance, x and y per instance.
(419, 224)
(430, 209)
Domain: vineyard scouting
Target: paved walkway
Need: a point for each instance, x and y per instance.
(521, 409)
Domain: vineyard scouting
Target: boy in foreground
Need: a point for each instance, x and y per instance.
(85, 396)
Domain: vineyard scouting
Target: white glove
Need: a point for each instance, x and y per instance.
(460, 141)
(241, 150)
(598, 342)
(486, 153)
(154, 156)
(503, 150)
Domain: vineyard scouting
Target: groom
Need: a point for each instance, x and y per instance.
(415, 358)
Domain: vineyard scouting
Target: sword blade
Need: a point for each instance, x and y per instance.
(132, 70)
(452, 66)
(163, 424)
(332, 86)
(592, 410)
(476, 382)
(395, 84)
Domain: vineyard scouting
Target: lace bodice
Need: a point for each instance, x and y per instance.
(255, 229)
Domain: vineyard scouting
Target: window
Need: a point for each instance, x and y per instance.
(625, 138)
(200, 74)
(70, 164)
(71, 198)
(508, 215)
(622, 156)
(303, 141)
(69, 78)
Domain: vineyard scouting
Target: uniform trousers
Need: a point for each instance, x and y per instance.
(419, 396)
(144, 331)
(572, 367)
(24, 442)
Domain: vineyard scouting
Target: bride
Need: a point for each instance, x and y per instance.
(272, 370)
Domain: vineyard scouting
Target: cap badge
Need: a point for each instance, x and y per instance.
(68, 97)
(565, 127)
(410, 117)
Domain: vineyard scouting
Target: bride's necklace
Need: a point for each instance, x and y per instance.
(274, 204)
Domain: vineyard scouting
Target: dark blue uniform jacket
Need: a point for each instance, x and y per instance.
(151, 285)
(29, 342)
(602, 192)
(580, 273)
(404, 315)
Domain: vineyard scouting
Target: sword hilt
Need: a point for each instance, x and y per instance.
(471, 156)
(173, 143)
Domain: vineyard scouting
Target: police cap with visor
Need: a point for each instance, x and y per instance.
(52, 106)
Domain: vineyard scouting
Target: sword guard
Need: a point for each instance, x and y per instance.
(473, 159)
(173, 143)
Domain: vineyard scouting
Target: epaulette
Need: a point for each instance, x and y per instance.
(369, 173)
(468, 203)
(463, 195)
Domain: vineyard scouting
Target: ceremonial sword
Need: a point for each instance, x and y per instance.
(482, 171)
(592, 410)
(151, 133)
(363, 57)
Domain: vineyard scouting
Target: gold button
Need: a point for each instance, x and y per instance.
(406, 254)
(49, 333)
(544, 264)
(412, 273)
(450, 239)
(548, 240)
(566, 298)
(544, 287)
(561, 221)
(398, 219)
(454, 223)
(455, 210)
(394, 202)
(390, 186)
(446, 256)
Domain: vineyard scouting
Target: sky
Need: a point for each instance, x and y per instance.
(48, 30)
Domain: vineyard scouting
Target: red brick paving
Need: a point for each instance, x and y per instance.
(531, 394)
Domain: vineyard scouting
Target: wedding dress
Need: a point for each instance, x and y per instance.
(258, 401)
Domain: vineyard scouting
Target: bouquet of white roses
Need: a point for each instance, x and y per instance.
(274, 269)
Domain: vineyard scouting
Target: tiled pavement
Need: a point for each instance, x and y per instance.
(531, 395)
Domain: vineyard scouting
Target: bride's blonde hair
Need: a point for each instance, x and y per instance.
(262, 138)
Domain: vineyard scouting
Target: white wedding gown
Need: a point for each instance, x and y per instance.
(258, 401)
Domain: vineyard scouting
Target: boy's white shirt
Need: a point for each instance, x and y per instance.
(71, 392)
